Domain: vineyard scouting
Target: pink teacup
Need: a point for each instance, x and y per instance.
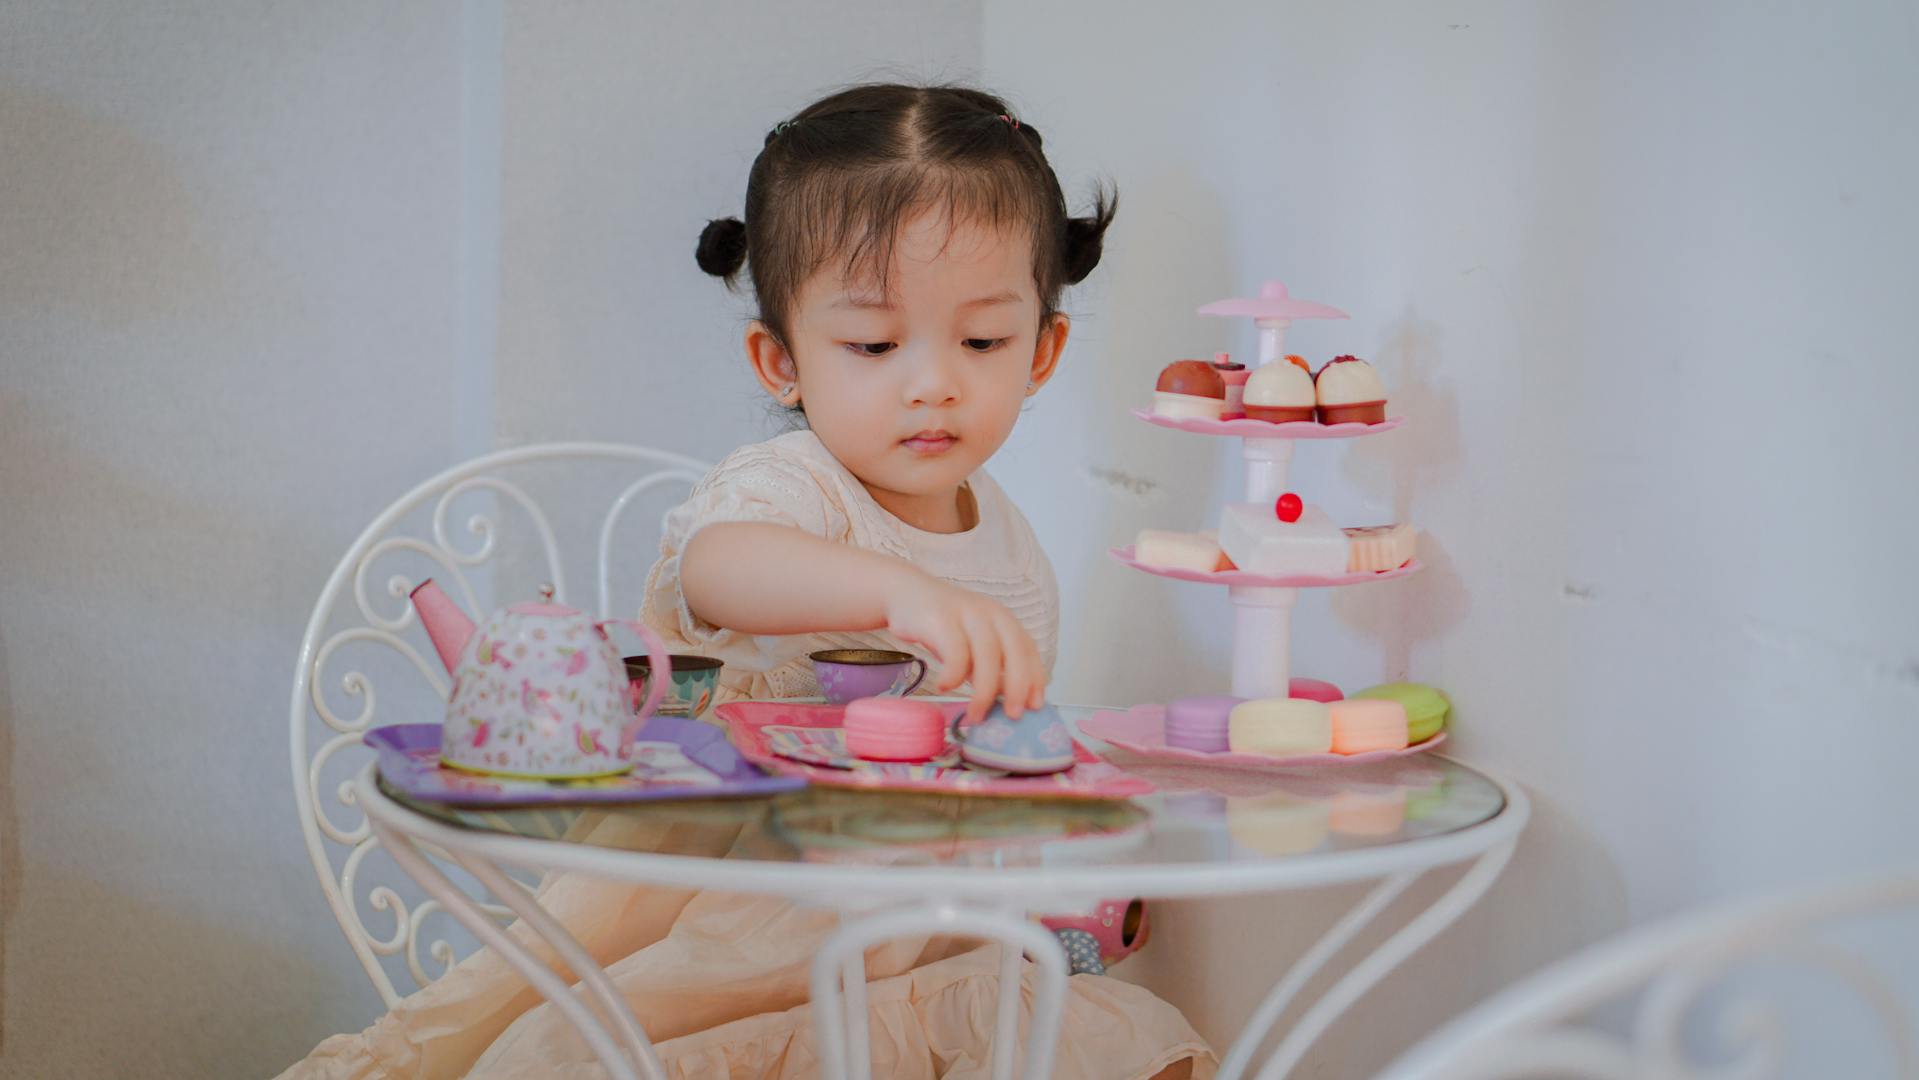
(850, 674)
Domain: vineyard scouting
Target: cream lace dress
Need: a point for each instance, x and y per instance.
(719, 980)
(793, 480)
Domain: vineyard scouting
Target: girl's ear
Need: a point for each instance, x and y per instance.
(1052, 340)
(772, 365)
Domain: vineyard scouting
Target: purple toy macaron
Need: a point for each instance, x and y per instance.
(1199, 723)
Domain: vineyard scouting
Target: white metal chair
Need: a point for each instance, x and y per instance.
(370, 647)
(1644, 1005)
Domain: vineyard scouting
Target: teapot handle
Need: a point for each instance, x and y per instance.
(661, 666)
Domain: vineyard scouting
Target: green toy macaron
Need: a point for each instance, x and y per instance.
(1426, 707)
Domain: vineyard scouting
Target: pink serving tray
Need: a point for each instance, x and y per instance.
(1142, 730)
(1260, 429)
(1241, 577)
(747, 723)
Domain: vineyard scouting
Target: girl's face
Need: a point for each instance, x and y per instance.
(912, 392)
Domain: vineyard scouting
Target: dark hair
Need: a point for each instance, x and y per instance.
(846, 172)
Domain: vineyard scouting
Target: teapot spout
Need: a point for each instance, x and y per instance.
(445, 623)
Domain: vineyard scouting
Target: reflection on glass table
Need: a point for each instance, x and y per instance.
(1199, 815)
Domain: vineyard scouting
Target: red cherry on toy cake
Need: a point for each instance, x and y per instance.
(1289, 507)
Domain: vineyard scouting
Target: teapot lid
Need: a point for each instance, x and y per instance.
(543, 606)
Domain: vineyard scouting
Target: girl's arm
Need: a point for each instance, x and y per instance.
(760, 578)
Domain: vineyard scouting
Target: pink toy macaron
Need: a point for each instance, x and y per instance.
(1199, 723)
(1364, 724)
(894, 729)
(1314, 690)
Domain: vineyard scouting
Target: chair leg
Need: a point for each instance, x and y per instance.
(462, 908)
(1015, 935)
(590, 973)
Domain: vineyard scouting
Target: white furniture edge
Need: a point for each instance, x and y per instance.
(1523, 1030)
(990, 905)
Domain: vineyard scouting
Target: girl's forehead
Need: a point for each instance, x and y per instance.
(930, 262)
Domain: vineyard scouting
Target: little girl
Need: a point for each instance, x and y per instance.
(907, 248)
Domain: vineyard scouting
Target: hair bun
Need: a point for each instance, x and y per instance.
(1086, 237)
(722, 249)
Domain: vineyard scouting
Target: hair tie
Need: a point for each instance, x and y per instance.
(1010, 120)
(781, 126)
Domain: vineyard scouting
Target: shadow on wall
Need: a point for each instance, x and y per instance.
(1399, 465)
(95, 218)
(1170, 225)
(10, 866)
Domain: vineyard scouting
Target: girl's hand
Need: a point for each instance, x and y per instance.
(974, 637)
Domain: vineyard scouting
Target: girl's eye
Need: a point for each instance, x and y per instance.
(870, 348)
(980, 344)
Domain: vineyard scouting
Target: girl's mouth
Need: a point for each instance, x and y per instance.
(930, 442)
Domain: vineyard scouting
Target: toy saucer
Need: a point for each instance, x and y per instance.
(751, 725)
(675, 758)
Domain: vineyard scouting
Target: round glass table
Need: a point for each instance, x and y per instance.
(895, 863)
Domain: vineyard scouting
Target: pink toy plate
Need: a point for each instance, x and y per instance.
(1241, 577)
(1260, 429)
(827, 746)
(750, 724)
(1142, 730)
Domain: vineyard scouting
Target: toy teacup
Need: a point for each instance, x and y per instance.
(694, 681)
(846, 675)
(1037, 742)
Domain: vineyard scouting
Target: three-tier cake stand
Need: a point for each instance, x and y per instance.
(1262, 627)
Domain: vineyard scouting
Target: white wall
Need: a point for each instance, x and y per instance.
(256, 263)
(1640, 275)
(262, 266)
(229, 326)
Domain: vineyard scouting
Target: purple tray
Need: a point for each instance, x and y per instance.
(678, 759)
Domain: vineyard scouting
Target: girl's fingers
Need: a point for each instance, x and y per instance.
(1039, 673)
(1018, 685)
(984, 640)
(955, 657)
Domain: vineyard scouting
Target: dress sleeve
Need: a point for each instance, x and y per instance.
(754, 484)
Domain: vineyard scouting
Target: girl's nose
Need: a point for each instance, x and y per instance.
(934, 381)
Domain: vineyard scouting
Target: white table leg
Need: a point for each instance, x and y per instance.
(1016, 934)
(461, 906)
(1282, 994)
(1006, 1012)
(854, 983)
(1393, 951)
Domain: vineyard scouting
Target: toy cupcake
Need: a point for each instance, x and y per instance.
(1349, 391)
(1190, 390)
(1279, 393)
(1234, 375)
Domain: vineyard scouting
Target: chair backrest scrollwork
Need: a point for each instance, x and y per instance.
(491, 530)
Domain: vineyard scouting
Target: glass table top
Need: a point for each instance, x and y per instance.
(1200, 816)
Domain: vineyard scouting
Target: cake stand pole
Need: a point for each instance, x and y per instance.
(1262, 641)
(1272, 339)
(1266, 462)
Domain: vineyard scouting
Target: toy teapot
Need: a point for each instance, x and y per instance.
(539, 690)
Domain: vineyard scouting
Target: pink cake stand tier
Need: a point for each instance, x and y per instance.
(1242, 577)
(1141, 730)
(1260, 429)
